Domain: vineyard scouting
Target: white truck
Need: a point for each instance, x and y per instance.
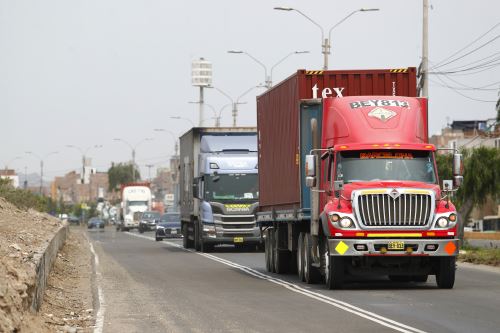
(136, 199)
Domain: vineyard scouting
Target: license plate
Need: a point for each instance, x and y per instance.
(396, 246)
(238, 239)
(173, 232)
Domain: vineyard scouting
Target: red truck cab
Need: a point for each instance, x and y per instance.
(375, 176)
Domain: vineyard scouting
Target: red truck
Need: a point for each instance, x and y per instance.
(348, 181)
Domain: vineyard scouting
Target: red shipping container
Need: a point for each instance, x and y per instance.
(278, 117)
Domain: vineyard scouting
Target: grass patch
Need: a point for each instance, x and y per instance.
(478, 255)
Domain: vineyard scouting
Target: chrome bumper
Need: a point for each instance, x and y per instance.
(346, 247)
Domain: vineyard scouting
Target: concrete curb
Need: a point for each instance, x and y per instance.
(44, 263)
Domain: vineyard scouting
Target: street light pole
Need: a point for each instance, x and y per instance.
(133, 148)
(84, 157)
(325, 41)
(268, 79)
(425, 49)
(41, 165)
(176, 146)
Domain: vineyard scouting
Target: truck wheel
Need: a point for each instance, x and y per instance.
(205, 247)
(197, 236)
(280, 256)
(300, 257)
(272, 252)
(445, 276)
(267, 250)
(311, 273)
(333, 267)
(141, 230)
(186, 242)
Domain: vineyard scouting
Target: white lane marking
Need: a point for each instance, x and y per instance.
(384, 321)
(99, 320)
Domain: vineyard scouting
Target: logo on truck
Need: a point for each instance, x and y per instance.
(382, 114)
(327, 92)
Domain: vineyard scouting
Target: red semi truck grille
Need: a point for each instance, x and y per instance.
(407, 210)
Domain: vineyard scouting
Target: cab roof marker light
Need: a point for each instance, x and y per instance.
(428, 147)
(375, 145)
(386, 145)
(343, 147)
(397, 145)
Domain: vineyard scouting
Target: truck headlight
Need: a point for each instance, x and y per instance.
(346, 222)
(442, 222)
(334, 218)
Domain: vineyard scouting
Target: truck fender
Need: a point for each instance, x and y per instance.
(324, 224)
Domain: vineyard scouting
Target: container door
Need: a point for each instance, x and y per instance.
(308, 110)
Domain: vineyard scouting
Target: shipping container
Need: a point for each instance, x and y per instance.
(277, 121)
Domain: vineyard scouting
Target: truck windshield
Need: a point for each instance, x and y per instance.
(137, 203)
(357, 166)
(234, 186)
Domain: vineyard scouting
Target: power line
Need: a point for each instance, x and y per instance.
(439, 64)
(474, 62)
(462, 88)
(463, 95)
(470, 52)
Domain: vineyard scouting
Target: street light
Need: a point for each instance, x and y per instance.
(41, 165)
(176, 147)
(236, 102)
(325, 46)
(84, 157)
(182, 118)
(268, 79)
(217, 115)
(133, 148)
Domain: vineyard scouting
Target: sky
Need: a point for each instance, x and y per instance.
(84, 72)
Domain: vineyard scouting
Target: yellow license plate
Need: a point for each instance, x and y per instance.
(238, 239)
(396, 246)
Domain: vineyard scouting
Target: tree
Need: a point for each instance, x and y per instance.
(121, 173)
(481, 179)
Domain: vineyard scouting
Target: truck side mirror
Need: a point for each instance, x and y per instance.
(458, 165)
(195, 189)
(310, 170)
(447, 185)
(338, 185)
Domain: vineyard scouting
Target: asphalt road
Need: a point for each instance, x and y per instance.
(153, 286)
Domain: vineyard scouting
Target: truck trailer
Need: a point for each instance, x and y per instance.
(349, 182)
(219, 187)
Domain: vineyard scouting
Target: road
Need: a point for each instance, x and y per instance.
(153, 286)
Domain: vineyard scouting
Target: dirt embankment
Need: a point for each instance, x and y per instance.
(67, 302)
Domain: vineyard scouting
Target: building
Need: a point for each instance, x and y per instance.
(468, 134)
(11, 175)
(69, 188)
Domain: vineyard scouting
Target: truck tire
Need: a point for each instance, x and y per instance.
(205, 247)
(300, 257)
(186, 242)
(267, 250)
(197, 236)
(445, 276)
(281, 257)
(311, 273)
(400, 278)
(333, 267)
(141, 230)
(271, 247)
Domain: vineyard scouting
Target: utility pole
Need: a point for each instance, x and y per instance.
(425, 50)
(149, 166)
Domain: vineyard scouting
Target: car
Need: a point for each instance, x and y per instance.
(72, 219)
(169, 226)
(148, 221)
(95, 222)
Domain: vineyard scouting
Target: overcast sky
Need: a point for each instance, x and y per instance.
(84, 72)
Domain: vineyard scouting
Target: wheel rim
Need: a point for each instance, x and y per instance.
(306, 256)
(327, 266)
(299, 258)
